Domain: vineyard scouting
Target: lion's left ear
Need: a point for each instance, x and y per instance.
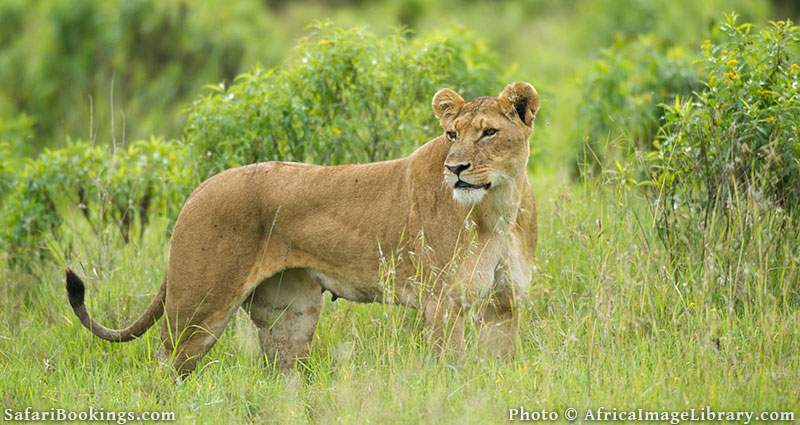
(524, 99)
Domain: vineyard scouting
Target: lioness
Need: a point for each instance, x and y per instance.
(456, 219)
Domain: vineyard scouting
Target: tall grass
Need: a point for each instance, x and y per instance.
(608, 323)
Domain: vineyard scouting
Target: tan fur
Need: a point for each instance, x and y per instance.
(270, 237)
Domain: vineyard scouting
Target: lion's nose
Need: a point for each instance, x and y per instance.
(458, 168)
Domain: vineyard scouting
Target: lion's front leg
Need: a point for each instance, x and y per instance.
(498, 325)
(498, 315)
(444, 325)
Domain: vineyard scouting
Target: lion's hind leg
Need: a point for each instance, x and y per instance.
(285, 308)
(193, 324)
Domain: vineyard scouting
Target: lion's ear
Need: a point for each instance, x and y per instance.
(446, 104)
(524, 100)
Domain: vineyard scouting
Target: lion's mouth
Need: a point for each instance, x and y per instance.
(461, 184)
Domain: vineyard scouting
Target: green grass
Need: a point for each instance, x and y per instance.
(605, 325)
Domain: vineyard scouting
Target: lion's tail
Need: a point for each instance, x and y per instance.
(75, 293)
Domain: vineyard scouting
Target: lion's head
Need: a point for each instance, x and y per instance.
(488, 137)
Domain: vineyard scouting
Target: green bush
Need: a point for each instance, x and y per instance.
(622, 100)
(120, 187)
(342, 96)
(738, 141)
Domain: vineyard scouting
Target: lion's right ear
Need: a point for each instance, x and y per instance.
(446, 104)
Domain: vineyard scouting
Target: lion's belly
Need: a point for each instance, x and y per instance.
(362, 292)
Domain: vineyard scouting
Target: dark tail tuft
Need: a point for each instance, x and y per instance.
(75, 289)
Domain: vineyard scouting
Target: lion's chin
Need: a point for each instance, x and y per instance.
(468, 196)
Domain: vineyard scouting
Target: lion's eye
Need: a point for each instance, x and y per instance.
(451, 136)
(489, 132)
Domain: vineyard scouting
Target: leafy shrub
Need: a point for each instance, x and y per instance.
(148, 177)
(343, 96)
(622, 99)
(31, 209)
(739, 139)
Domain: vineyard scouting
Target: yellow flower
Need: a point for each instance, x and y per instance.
(770, 118)
(731, 76)
(794, 68)
(733, 62)
(336, 131)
